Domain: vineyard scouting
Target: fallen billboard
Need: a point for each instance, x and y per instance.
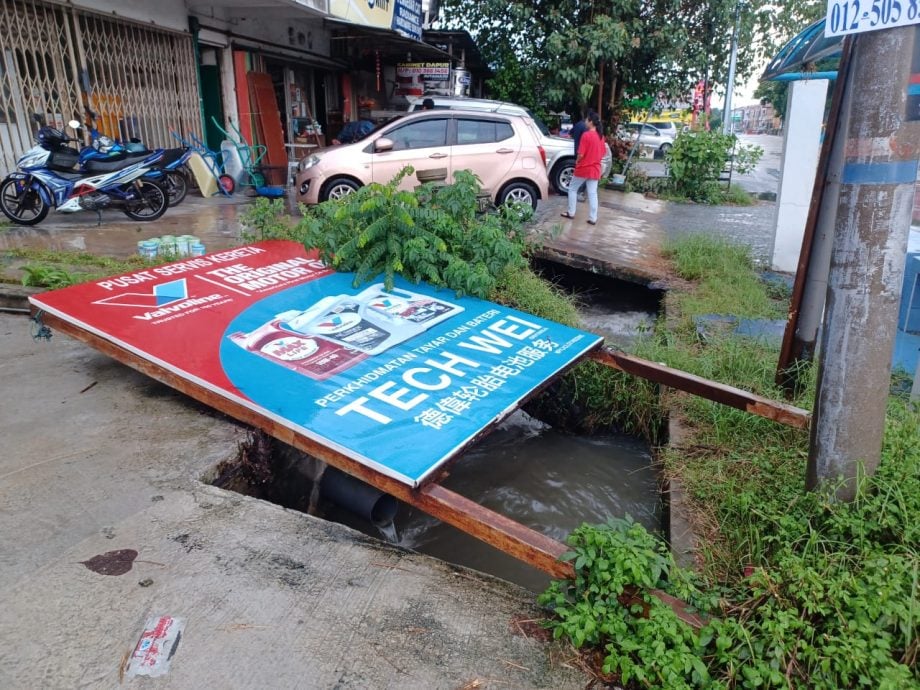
(399, 380)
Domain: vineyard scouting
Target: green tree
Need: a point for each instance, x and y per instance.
(594, 53)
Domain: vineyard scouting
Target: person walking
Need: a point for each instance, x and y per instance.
(578, 129)
(587, 167)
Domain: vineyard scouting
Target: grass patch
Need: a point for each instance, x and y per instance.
(737, 196)
(55, 269)
(805, 591)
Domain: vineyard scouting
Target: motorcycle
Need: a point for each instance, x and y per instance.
(105, 155)
(45, 179)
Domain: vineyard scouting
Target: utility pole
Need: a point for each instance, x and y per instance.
(876, 191)
(732, 62)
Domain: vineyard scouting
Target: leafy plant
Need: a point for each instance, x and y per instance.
(645, 642)
(697, 159)
(36, 275)
(433, 233)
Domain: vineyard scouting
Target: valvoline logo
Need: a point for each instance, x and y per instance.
(159, 296)
(165, 299)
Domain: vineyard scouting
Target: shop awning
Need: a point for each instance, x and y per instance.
(461, 46)
(390, 43)
(803, 52)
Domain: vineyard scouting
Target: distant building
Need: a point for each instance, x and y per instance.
(756, 119)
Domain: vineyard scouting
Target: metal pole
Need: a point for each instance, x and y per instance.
(730, 87)
(867, 261)
(807, 302)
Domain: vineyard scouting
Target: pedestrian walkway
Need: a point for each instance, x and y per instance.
(632, 230)
(214, 220)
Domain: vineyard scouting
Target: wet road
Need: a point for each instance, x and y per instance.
(215, 221)
(626, 243)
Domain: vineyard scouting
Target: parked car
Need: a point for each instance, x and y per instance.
(560, 151)
(650, 136)
(503, 150)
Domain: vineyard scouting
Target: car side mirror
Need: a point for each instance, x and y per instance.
(383, 144)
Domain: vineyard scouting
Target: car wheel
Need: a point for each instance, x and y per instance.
(337, 188)
(664, 148)
(518, 192)
(563, 174)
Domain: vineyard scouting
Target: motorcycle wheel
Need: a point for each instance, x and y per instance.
(176, 186)
(23, 206)
(149, 201)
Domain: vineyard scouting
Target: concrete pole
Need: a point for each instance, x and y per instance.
(730, 87)
(867, 261)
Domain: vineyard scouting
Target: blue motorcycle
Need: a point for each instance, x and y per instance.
(105, 155)
(45, 179)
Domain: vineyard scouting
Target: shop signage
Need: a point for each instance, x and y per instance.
(402, 16)
(417, 78)
(399, 380)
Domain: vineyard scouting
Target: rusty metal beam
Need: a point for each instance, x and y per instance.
(704, 388)
(796, 346)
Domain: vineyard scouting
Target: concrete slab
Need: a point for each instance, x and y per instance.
(632, 230)
(99, 458)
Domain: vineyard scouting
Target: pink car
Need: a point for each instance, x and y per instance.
(502, 150)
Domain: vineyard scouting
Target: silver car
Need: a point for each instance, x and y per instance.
(560, 151)
(650, 137)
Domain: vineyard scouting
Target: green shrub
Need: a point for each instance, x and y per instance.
(433, 233)
(646, 642)
(697, 159)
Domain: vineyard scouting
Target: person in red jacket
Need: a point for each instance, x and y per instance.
(587, 167)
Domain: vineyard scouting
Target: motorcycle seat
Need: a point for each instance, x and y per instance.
(104, 166)
(69, 174)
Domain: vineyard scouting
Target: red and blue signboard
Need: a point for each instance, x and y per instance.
(399, 379)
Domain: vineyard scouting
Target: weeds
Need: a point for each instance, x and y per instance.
(813, 592)
(56, 269)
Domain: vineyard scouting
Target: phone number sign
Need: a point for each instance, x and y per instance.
(859, 16)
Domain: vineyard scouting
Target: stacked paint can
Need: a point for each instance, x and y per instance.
(170, 246)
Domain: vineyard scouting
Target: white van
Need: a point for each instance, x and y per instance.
(560, 151)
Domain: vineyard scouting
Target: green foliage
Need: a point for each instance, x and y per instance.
(54, 269)
(52, 277)
(737, 196)
(813, 593)
(697, 159)
(644, 642)
(560, 51)
(727, 283)
(695, 162)
(433, 233)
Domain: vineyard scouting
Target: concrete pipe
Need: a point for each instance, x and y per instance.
(357, 497)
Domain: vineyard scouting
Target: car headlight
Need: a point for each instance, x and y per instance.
(307, 163)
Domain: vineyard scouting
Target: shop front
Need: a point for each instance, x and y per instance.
(282, 102)
(385, 69)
